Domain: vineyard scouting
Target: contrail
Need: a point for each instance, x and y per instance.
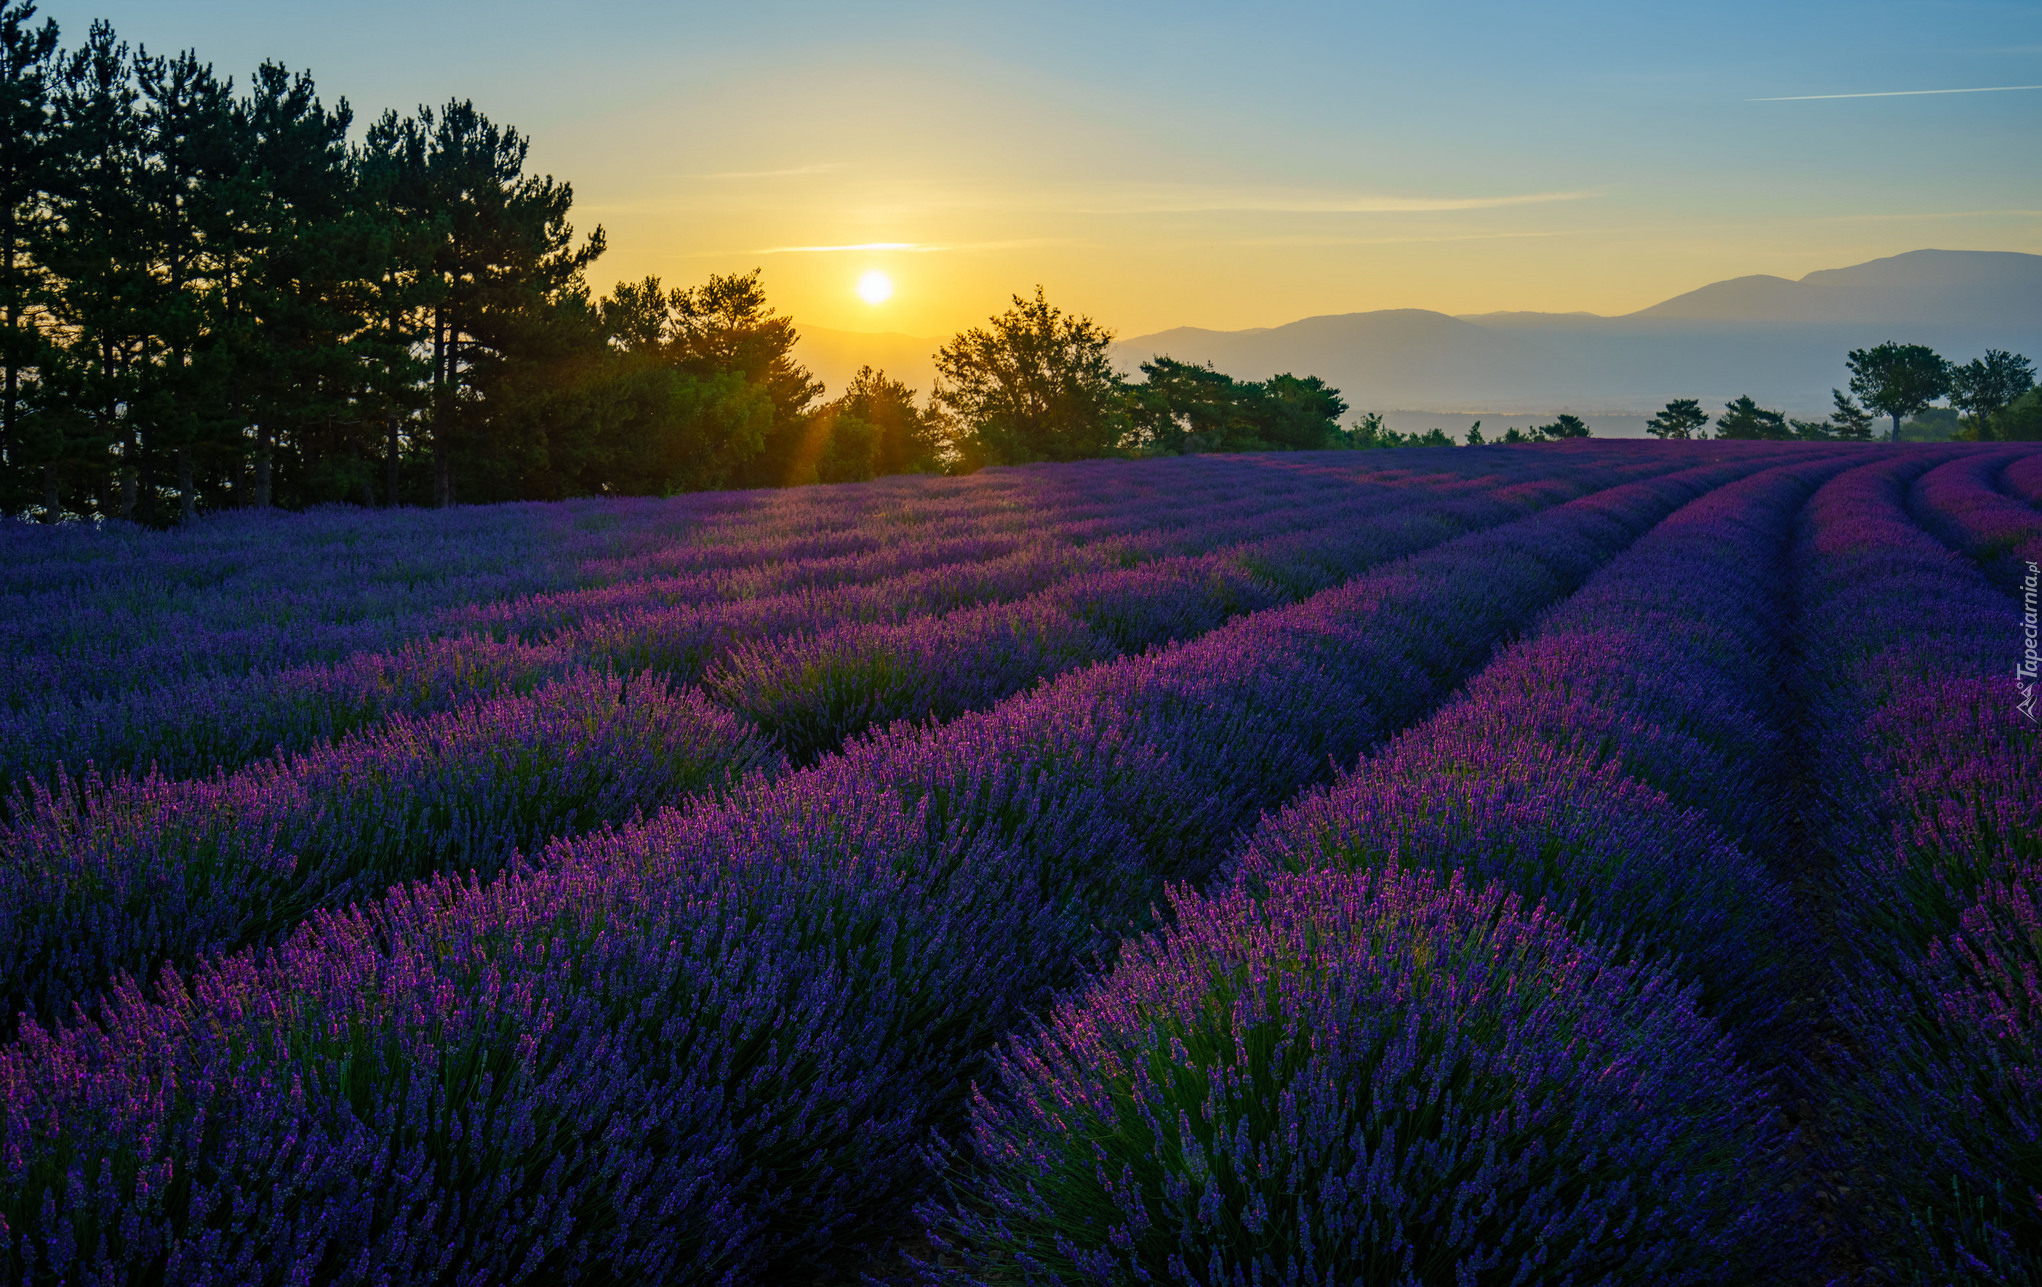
(1895, 93)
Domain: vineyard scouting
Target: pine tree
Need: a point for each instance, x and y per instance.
(184, 396)
(103, 285)
(725, 327)
(1682, 418)
(507, 256)
(398, 239)
(27, 160)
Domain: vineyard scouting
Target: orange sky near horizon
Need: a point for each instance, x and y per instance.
(1202, 163)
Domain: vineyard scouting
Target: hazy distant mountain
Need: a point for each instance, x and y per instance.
(1950, 287)
(1781, 341)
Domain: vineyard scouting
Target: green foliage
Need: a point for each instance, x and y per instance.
(28, 156)
(1934, 424)
(1369, 433)
(1982, 386)
(873, 430)
(2020, 420)
(1034, 384)
(1898, 380)
(1682, 418)
(1745, 419)
(1182, 408)
(1848, 421)
(1563, 426)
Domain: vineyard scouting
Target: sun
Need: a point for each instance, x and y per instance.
(875, 287)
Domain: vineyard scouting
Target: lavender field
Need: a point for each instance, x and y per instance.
(1585, 863)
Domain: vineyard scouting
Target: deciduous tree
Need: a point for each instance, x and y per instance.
(1982, 386)
(1033, 384)
(1898, 380)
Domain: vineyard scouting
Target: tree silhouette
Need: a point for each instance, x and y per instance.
(1681, 418)
(1034, 384)
(1983, 385)
(28, 156)
(1847, 419)
(1745, 419)
(1898, 380)
(1563, 426)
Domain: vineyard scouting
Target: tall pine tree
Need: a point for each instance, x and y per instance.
(27, 161)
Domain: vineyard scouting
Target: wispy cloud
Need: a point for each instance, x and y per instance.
(827, 167)
(1265, 202)
(909, 247)
(1896, 93)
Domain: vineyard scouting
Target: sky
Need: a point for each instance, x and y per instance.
(1197, 164)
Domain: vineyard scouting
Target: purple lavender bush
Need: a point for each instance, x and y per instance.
(104, 878)
(1958, 503)
(707, 600)
(715, 1046)
(1613, 765)
(1934, 833)
(2023, 478)
(1367, 1077)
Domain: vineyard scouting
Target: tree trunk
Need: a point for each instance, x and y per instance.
(1896, 428)
(391, 467)
(188, 497)
(53, 508)
(261, 499)
(442, 380)
(128, 475)
(7, 239)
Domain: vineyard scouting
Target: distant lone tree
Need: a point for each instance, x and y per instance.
(1982, 386)
(1563, 426)
(1848, 420)
(1681, 418)
(1898, 380)
(1034, 384)
(1745, 419)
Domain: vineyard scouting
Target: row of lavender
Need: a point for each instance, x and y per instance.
(237, 593)
(1597, 856)
(100, 879)
(1497, 1006)
(678, 622)
(99, 610)
(1960, 503)
(1930, 819)
(723, 1043)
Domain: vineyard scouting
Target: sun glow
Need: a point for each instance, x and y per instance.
(875, 287)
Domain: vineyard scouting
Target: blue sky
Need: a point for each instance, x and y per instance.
(1204, 164)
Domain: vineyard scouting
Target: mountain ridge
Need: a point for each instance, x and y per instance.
(1781, 340)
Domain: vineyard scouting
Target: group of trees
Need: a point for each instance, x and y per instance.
(215, 297)
(1994, 396)
(1036, 384)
